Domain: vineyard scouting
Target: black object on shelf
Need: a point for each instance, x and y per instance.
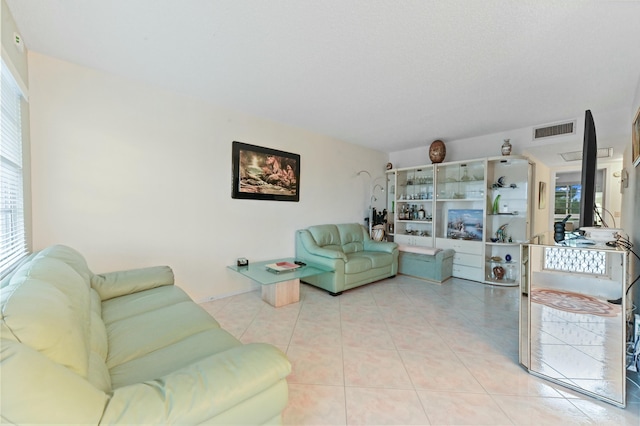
(558, 229)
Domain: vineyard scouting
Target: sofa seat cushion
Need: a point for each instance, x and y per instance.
(357, 263)
(179, 354)
(378, 259)
(134, 304)
(139, 335)
(366, 260)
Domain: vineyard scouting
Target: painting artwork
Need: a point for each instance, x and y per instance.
(465, 224)
(261, 173)
(635, 139)
(542, 195)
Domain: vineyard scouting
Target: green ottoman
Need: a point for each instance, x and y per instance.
(425, 262)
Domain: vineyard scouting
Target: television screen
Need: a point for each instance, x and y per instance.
(589, 164)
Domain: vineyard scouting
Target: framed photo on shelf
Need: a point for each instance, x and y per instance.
(260, 173)
(465, 224)
(635, 140)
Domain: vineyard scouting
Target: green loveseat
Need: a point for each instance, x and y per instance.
(125, 348)
(353, 257)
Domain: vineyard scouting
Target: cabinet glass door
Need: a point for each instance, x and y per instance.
(460, 195)
(414, 206)
(508, 218)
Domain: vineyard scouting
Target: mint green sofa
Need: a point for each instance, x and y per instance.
(125, 348)
(353, 257)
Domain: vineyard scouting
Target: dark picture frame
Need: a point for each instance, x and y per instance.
(260, 173)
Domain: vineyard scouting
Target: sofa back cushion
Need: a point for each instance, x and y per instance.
(326, 236)
(352, 237)
(69, 256)
(48, 305)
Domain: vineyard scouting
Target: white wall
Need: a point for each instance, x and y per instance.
(631, 202)
(541, 217)
(14, 58)
(132, 176)
(465, 149)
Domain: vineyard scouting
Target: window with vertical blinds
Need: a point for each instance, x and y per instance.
(13, 245)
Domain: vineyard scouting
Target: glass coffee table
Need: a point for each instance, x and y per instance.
(279, 288)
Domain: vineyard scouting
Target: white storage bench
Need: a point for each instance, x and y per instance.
(428, 263)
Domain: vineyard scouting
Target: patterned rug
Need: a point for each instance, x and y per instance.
(574, 302)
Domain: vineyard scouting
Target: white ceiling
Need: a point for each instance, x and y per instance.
(384, 74)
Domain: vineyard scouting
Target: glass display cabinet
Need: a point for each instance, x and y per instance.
(414, 206)
(461, 189)
(451, 206)
(460, 215)
(508, 221)
(391, 203)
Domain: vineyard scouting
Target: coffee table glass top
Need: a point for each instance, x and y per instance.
(257, 271)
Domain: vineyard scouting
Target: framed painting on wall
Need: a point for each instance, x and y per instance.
(542, 195)
(261, 173)
(635, 139)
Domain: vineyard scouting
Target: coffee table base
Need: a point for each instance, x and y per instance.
(282, 293)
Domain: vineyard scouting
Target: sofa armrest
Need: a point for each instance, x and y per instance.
(36, 389)
(385, 246)
(202, 390)
(114, 284)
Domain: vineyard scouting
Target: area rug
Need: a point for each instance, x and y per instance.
(574, 302)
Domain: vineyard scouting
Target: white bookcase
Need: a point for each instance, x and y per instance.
(451, 205)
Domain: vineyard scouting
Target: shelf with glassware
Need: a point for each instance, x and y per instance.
(460, 215)
(414, 206)
(508, 220)
(460, 201)
(391, 195)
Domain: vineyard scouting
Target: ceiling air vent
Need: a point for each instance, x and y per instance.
(577, 155)
(559, 129)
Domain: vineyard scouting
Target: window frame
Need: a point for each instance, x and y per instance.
(13, 218)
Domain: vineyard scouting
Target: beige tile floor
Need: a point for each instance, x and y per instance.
(408, 352)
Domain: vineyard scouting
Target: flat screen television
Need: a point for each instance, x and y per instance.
(589, 165)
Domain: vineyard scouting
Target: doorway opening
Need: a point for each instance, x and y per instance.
(567, 195)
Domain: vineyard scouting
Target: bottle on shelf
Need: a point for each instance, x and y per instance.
(421, 213)
(465, 174)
